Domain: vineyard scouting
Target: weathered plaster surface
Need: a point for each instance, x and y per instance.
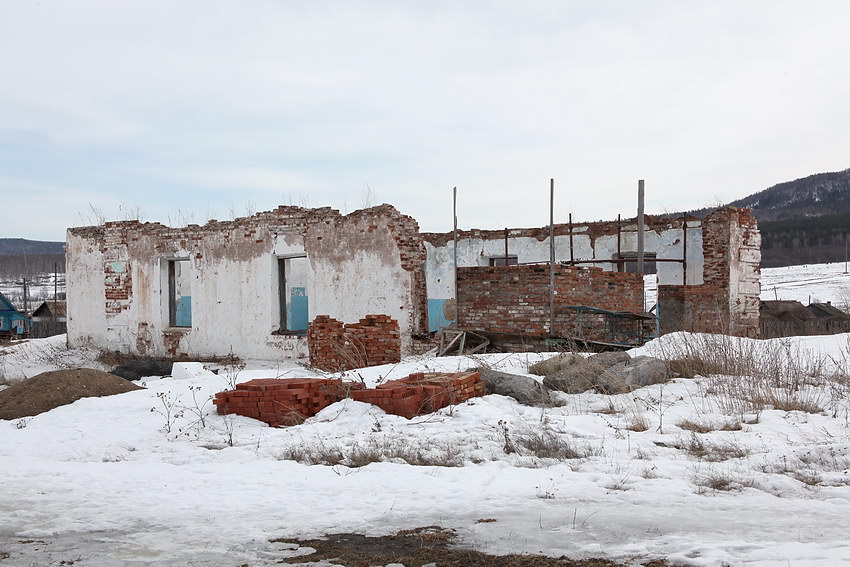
(363, 263)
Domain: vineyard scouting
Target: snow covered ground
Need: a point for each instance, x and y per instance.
(104, 482)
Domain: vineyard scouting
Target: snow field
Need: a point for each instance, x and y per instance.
(617, 476)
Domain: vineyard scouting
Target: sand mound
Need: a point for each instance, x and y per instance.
(53, 389)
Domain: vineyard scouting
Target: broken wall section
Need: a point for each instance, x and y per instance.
(149, 289)
(369, 262)
(728, 300)
(665, 238)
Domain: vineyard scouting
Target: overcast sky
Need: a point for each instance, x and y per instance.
(189, 110)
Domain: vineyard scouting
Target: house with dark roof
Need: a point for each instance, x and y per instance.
(49, 319)
(784, 318)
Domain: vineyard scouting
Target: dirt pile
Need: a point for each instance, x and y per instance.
(57, 388)
(427, 546)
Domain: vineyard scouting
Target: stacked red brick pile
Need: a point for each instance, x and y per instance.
(374, 340)
(422, 393)
(280, 401)
(325, 337)
(292, 400)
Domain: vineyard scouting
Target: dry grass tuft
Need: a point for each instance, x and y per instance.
(546, 444)
(745, 375)
(722, 481)
(374, 451)
(709, 426)
(638, 423)
(710, 451)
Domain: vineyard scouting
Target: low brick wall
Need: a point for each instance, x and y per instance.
(515, 299)
(335, 346)
(289, 401)
(695, 308)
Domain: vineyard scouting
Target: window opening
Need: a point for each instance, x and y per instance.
(179, 294)
(292, 286)
(630, 264)
(500, 261)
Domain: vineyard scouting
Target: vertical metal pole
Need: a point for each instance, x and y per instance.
(845, 252)
(506, 246)
(685, 250)
(55, 282)
(572, 258)
(640, 240)
(640, 228)
(454, 237)
(620, 264)
(26, 310)
(551, 256)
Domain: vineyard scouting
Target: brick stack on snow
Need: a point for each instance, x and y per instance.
(289, 401)
(422, 393)
(335, 346)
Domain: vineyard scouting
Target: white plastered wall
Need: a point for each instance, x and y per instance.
(356, 272)
(85, 292)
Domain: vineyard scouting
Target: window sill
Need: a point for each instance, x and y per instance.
(284, 333)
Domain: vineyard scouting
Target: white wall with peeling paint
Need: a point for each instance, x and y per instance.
(85, 293)
(353, 268)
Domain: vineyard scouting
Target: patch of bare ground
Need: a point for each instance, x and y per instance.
(422, 546)
(50, 390)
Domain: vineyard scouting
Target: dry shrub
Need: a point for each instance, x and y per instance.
(747, 375)
(690, 367)
(374, 451)
(547, 444)
(722, 481)
(541, 441)
(312, 455)
(807, 477)
(709, 426)
(638, 423)
(710, 451)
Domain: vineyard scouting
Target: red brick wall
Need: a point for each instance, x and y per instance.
(728, 299)
(515, 299)
(335, 346)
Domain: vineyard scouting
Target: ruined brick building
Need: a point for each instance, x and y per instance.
(294, 281)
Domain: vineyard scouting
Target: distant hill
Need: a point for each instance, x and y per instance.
(805, 221)
(817, 195)
(21, 258)
(24, 246)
